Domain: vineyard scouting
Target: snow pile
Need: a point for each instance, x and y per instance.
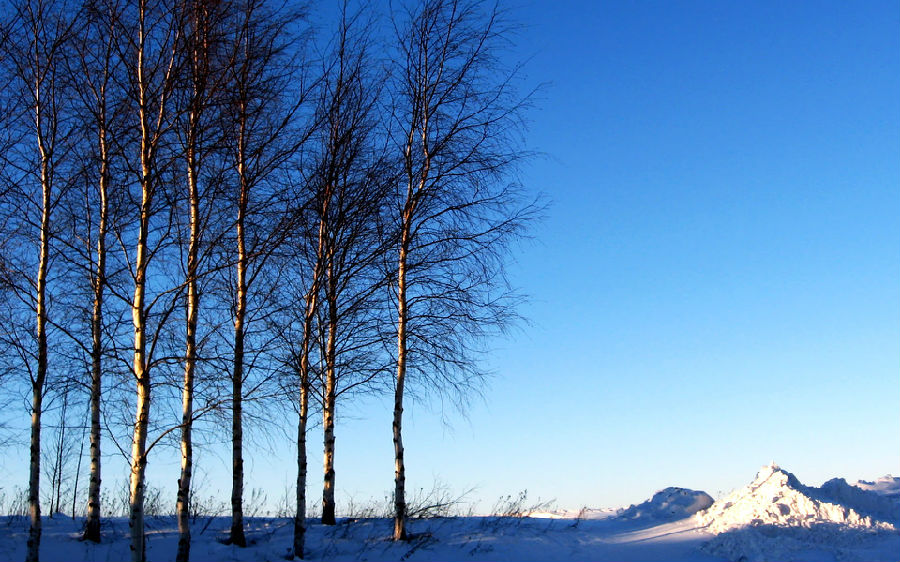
(777, 498)
(776, 517)
(669, 504)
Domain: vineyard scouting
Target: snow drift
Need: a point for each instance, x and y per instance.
(669, 504)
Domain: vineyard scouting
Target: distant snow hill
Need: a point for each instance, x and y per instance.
(669, 504)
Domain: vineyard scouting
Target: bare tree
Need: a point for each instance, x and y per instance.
(150, 35)
(93, 70)
(60, 453)
(352, 179)
(266, 92)
(203, 76)
(309, 242)
(456, 114)
(38, 33)
(299, 360)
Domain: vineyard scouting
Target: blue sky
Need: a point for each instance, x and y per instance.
(716, 283)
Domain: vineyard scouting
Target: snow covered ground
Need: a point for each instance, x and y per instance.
(774, 517)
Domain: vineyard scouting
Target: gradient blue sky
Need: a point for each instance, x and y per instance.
(717, 282)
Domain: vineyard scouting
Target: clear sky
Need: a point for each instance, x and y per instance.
(717, 282)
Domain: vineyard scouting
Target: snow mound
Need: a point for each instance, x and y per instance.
(884, 486)
(776, 517)
(669, 504)
(872, 502)
(777, 498)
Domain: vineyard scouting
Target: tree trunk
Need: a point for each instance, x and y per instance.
(328, 409)
(182, 505)
(78, 471)
(138, 312)
(142, 375)
(237, 459)
(237, 430)
(311, 305)
(34, 476)
(300, 516)
(399, 468)
(60, 444)
(37, 386)
(139, 463)
(92, 525)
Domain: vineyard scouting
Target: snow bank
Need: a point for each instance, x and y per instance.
(777, 517)
(669, 504)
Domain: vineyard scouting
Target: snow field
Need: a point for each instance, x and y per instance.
(775, 517)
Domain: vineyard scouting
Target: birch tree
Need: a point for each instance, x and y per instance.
(34, 50)
(94, 71)
(352, 180)
(203, 76)
(267, 92)
(308, 241)
(456, 118)
(308, 282)
(150, 36)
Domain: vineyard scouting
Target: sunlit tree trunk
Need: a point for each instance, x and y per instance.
(399, 467)
(328, 406)
(140, 366)
(413, 192)
(300, 516)
(197, 43)
(37, 387)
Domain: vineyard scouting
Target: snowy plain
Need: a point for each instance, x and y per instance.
(774, 517)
